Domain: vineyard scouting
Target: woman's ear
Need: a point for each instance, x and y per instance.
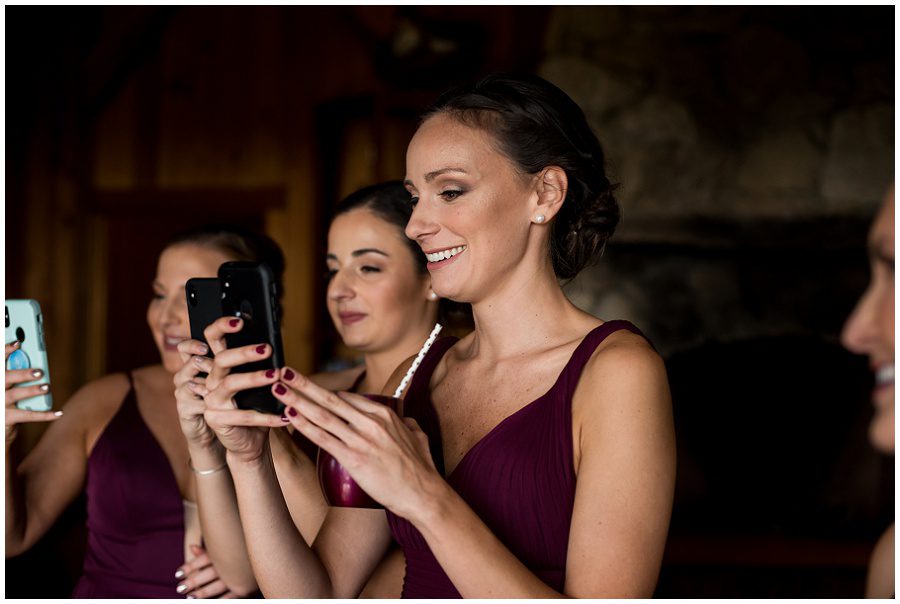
(552, 186)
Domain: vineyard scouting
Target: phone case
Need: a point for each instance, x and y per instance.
(204, 301)
(25, 323)
(249, 292)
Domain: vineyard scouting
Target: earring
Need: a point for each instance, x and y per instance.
(539, 219)
(432, 296)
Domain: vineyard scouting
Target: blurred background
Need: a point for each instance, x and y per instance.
(752, 145)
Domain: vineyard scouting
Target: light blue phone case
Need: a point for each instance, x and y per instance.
(25, 323)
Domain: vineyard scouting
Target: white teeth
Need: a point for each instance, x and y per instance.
(445, 254)
(885, 375)
(174, 341)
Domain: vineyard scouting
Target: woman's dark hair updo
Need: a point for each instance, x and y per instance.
(537, 125)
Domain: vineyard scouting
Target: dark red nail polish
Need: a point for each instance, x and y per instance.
(261, 349)
(270, 373)
(284, 419)
(288, 374)
(292, 412)
(279, 389)
(234, 322)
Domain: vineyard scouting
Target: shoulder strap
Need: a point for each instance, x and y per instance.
(573, 369)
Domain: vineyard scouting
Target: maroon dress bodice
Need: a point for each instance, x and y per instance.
(519, 478)
(135, 514)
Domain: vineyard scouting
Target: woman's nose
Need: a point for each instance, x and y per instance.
(421, 224)
(340, 288)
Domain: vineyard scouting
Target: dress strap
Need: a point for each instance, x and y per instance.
(417, 402)
(571, 373)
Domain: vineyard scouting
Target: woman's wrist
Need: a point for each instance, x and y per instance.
(432, 505)
(204, 457)
(248, 462)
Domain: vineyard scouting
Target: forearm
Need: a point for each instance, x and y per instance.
(220, 521)
(475, 560)
(284, 565)
(299, 485)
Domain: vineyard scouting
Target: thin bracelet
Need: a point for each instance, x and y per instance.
(206, 472)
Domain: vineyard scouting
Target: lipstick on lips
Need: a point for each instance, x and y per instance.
(349, 318)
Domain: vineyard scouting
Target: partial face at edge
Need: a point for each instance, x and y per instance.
(870, 328)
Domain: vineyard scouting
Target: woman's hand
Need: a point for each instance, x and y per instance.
(191, 405)
(386, 455)
(200, 579)
(14, 415)
(243, 432)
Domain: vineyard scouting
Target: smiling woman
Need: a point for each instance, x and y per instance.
(118, 438)
(548, 466)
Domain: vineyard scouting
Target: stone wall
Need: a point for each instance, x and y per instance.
(752, 146)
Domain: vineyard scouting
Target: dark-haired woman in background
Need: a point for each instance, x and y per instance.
(118, 438)
(557, 457)
(380, 300)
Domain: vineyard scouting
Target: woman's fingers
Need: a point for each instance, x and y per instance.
(19, 376)
(234, 357)
(323, 397)
(14, 395)
(320, 415)
(12, 347)
(216, 331)
(188, 348)
(15, 415)
(197, 578)
(226, 418)
(221, 397)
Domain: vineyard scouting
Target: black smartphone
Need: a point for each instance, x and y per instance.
(249, 292)
(204, 300)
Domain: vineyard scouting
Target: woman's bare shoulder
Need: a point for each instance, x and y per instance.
(880, 582)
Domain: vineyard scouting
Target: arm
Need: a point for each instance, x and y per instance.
(625, 463)
(299, 483)
(53, 474)
(282, 562)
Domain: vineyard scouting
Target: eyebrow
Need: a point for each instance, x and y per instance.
(432, 175)
(361, 252)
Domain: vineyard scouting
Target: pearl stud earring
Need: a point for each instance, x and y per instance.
(432, 296)
(539, 219)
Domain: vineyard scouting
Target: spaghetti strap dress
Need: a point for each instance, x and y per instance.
(135, 513)
(519, 478)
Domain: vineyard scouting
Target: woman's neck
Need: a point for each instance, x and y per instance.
(380, 366)
(526, 314)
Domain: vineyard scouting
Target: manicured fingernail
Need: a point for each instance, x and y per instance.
(57, 413)
(181, 588)
(279, 389)
(203, 348)
(190, 597)
(37, 373)
(44, 387)
(292, 412)
(234, 322)
(270, 373)
(15, 343)
(179, 574)
(288, 374)
(261, 349)
(199, 360)
(284, 419)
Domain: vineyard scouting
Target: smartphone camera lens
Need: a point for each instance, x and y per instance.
(20, 334)
(192, 297)
(7, 315)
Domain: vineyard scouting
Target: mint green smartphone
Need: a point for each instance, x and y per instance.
(25, 323)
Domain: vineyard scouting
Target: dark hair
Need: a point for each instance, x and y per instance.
(239, 242)
(537, 125)
(391, 202)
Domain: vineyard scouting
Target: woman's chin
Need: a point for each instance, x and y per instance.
(881, 432)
